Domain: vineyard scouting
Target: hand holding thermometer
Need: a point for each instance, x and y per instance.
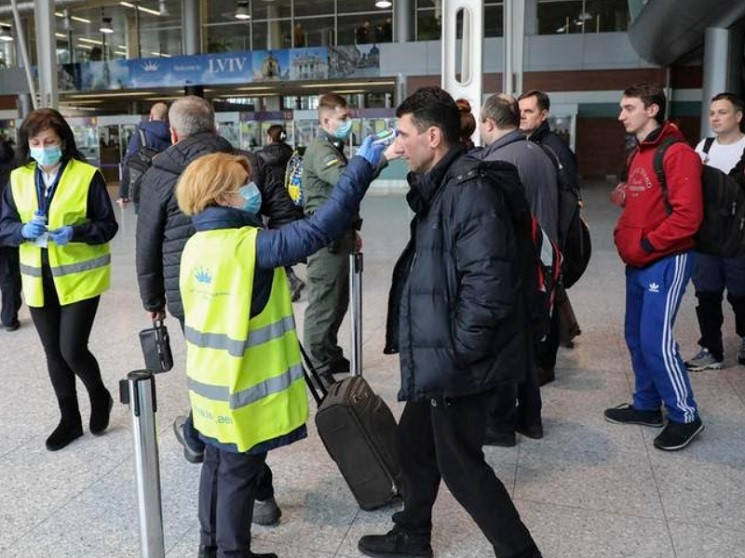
(385, 137)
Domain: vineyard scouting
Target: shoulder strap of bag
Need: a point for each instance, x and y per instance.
(659, 170)
(708, 142)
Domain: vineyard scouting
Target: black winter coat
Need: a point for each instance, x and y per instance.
(273, 161)
(454, 311)
(162, 229)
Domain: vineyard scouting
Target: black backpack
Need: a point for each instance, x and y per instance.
(538, 259)
(722, 231)
(574, 235)
(138, 165)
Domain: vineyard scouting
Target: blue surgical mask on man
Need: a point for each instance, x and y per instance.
(251, 198)
(344, 129)
(46, 156)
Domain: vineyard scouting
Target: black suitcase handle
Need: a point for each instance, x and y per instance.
(356, 262)
(315, 384)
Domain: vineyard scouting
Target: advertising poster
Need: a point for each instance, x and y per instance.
(271, 65)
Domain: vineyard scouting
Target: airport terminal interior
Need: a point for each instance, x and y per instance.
(588, 489)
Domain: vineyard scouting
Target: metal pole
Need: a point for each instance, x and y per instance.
(21, 38)
(355, 314)
(138, 391)
(508, 85)
(46, 53)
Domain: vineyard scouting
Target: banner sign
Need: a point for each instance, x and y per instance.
(298, 64)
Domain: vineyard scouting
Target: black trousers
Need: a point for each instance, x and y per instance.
(64, 332)
(711, 317)
(442, 439)
(545, 354)
(516, 405)
(229, 484)
(10, 285)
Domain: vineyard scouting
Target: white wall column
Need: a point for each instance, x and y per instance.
(46, 53)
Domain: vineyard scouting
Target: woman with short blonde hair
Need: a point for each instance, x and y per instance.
(246, 385)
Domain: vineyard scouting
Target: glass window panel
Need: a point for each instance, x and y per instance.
(607, 15)
(312, 7)
(493, 17)
(272, 10)
(275, 34)
(560, 17)
(350, 6)
(315, 31)
(428, 25)
(367, 29)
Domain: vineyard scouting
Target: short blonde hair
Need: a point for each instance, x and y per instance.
(208, 178)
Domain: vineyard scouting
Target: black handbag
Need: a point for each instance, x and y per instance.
(156, 347)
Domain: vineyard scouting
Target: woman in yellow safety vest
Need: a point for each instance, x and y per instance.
(243, 364)
(58, 212)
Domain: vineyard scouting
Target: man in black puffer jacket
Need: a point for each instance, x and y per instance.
(456, 319)
(162, 230)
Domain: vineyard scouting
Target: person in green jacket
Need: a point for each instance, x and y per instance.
(328, 269)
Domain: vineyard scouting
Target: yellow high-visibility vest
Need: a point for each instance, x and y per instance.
(80, 271)
(245, 376)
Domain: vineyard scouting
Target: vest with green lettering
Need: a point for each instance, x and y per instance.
(245, 377)
(80, 271)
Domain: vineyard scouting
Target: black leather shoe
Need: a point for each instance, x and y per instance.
(65, 433)
(395, 544)
(545, 376)
(534, 431)
(499, 438)
(207, 552)
(12, 327)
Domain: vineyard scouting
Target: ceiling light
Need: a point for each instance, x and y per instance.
(140, 8)
(80, 19)
(241, 11)
(90, 41)
(383, 4)
(5, 35)
(162, 8)
(106, 26)
(60, 35)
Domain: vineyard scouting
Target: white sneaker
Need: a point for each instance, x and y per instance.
(704, 360)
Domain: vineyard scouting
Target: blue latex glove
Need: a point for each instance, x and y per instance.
(371, 152)
(61, 236)
(33, 230)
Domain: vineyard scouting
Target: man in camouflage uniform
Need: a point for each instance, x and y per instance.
(328, 269)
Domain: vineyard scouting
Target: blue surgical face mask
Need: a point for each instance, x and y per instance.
(344, 129)
(46, 156)
(251, 198)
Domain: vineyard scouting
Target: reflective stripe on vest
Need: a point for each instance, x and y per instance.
(245, 381)
(80, 271)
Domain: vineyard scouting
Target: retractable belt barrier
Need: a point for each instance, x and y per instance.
(138, 391)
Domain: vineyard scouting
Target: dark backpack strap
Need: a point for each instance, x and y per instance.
(143, 137)
(708, 142)
(659, 170)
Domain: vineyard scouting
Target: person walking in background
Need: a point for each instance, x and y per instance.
(10, 269)
(654, 237)
(157, 137)
(57, 210)
(275, 156)
(713, 274)
(233, 285)
(467, 123)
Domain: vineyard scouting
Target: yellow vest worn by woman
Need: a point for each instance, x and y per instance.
(80, 271)
(245, 377)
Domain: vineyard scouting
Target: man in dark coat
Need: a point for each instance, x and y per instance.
(162, 232)
(456, 320)
(10, 270)
(157, 136)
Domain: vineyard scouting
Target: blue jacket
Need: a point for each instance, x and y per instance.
(157, 136)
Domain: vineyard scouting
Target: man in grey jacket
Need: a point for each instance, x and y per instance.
(500, 133)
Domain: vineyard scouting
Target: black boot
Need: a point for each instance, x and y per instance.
(100, 412)
(70, 426)
(395, 543)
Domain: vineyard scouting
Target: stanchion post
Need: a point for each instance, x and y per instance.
(355, 290)
(138, 391)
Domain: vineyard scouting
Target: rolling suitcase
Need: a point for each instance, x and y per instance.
(355, 424)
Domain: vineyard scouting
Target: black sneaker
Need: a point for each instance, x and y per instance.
(395, 544)
(266, 512)
(678, 435)
(12, 327)
(626, 414)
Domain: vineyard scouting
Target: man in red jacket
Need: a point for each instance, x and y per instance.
(654, 237)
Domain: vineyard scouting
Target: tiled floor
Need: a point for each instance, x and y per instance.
(588, 490)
